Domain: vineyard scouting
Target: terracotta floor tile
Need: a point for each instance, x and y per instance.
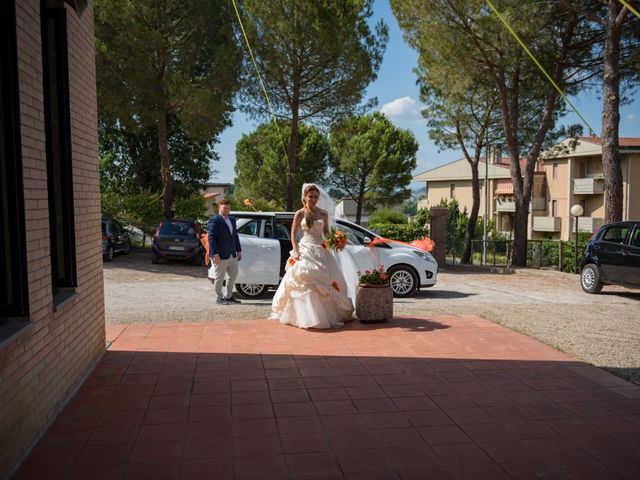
(96, 455)
(358, 461)
(211, 414)
(413, 457)
(428, 417)
(205, 448)
(266, 466)
(461, 454)
(308, 464)
(331, 393)
(305, 443)
(298, 425)
(253, 426)
(288, 396)
(153, 471)
(203, 469)
(157, 451)
(443, 435)
(113, 435)
(408, 399)
(335, 407)
(121, 418)
(166, 415)
(251, 446)
(220, 428)
(162, 432)
(65, 438)
(250, 397)
(627, 466)
(102, 472)
(354, 440)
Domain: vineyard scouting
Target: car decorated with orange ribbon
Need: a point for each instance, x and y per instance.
(266, 241)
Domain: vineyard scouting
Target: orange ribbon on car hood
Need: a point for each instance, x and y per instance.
(425, 243)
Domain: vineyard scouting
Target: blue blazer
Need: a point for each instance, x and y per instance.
(221, 241)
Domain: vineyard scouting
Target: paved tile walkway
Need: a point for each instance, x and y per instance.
(419, 398)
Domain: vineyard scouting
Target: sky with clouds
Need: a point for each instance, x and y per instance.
(398, 98)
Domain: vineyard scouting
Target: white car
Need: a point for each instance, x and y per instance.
(266, 241)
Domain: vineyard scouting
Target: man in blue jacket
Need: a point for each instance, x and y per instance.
(224, 250)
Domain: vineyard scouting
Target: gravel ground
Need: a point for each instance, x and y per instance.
(603, 330)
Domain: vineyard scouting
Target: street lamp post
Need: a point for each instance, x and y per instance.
(576, 211)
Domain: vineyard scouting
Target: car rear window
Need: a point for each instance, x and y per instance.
(635, 237)
(249, 227)
(615, 234)
(180, 229)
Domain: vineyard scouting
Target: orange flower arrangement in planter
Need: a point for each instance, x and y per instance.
(374, 278)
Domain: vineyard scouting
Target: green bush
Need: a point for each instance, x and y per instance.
(405, 233)
(387, 216)
(193, 208)
(422, 217)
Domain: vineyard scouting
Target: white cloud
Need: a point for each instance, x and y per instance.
(401, 107)
(631, 116)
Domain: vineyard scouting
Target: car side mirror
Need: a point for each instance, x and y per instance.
(367, 240)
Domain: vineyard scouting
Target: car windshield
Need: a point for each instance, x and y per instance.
(356, 235)
(179, 229)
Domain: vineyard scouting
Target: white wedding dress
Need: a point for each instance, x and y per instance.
(313, 293)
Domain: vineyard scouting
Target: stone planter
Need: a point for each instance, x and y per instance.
(374, 303)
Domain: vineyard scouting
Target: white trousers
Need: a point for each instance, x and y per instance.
(228, 268)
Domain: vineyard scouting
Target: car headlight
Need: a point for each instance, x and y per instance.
(426, 256)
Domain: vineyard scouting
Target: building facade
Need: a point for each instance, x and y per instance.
(51, 290)
(565, 176)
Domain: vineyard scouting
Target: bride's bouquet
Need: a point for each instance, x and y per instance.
(336, 239)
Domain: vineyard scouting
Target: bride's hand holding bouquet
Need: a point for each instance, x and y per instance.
(336, 240)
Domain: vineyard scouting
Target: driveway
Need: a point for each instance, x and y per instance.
(603, 330)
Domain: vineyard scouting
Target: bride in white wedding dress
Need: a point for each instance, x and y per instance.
(313, 292)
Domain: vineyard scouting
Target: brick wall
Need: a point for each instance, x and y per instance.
(41, 369)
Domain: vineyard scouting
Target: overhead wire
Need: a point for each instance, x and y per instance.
(542, 69)
(630, 8)
(255, 64)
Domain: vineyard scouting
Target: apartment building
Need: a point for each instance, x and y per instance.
(565, 175)
(574, 176)
(51, 290)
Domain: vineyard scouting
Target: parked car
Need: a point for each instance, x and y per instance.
(266, 241)
(115, 239)
(612, 257)
(177, 240)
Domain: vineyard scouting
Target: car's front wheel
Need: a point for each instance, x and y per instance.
(127, 248)
(251, 290)
(403, 280)
(590, 279)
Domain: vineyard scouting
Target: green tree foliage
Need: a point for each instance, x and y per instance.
(468, 120)
(409, 207)
(129, 160)
(405, 233)
(142, 210)
(386, 215)
(468, 31)
(316, 58)
(161, 60)
(261, 163)
(193, 207)
(371, 160)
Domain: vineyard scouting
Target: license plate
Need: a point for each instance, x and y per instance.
(173, 247)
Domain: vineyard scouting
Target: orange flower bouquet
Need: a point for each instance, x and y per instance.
(335, 240)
